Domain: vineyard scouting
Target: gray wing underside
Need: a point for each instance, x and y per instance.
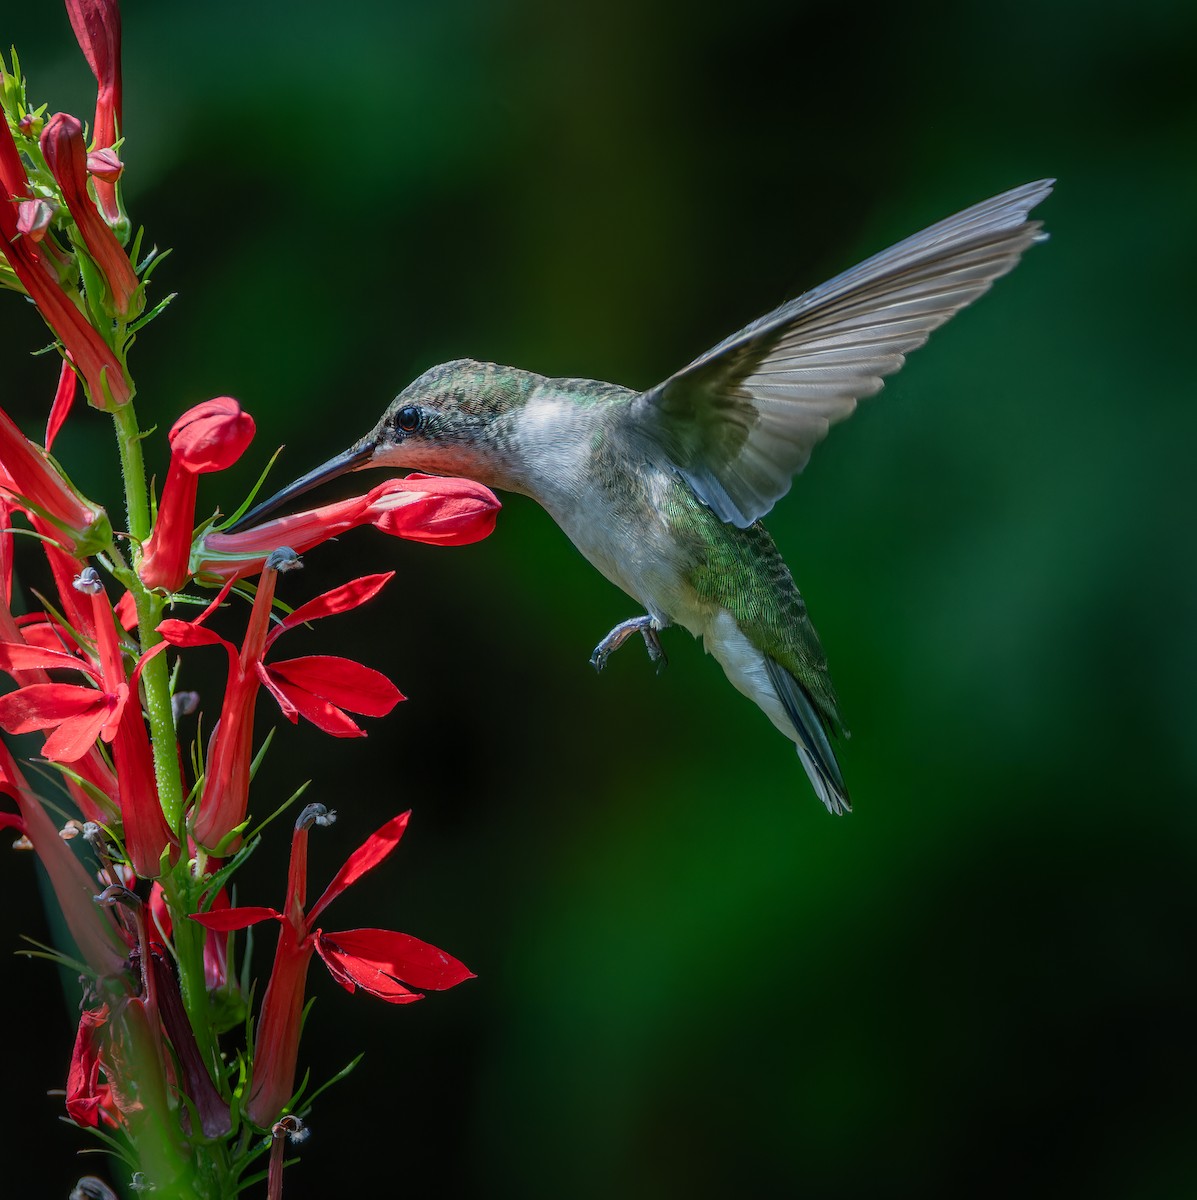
(740, 421)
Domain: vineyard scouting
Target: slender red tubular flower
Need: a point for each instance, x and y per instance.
(209, 437)
(64, 399)
(97, 26)
(420, 508)
(28, 472)
(318, 688)
(91, 926)
(61, 309)
(66, 156)
(376, 960)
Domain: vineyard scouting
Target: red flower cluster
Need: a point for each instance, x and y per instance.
(91, 676)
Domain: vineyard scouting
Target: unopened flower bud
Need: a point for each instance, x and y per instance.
(34, 217)
(105, 165)
(209, 437)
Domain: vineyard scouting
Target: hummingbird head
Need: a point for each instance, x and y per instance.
(458, 418)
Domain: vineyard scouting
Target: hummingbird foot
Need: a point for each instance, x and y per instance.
(648, 627)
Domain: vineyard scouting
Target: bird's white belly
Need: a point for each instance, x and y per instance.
(744, 666)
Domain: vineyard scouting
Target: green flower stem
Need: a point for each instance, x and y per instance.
(155, 676)
(155, 681)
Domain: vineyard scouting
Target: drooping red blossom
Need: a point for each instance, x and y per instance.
(87, 1100)
(197, 1084)
(441, 511)
(92, 928)
(379, 961)
(318, 688)
(66, 156)
(97, 26)
(77, 716)
(209, 437)
(30, 475)
(60, 307)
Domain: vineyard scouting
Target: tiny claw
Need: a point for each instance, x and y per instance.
(646, 626)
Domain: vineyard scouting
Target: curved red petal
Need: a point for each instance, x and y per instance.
(365, 858)
(402, 956)
(292, 699)
(224, 920)
(337, 600)
(342, 682)
(350, 972)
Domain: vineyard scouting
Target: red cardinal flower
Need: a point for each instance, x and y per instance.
(66, 156)
(76, 716)
(60, 308)
(318, 688)
(209, 437)
(420, 508)
(28, 472)
(97, 25)
(379, 961)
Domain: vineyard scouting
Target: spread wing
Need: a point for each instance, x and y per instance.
(740, 421)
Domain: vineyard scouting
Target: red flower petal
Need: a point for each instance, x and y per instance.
(442, 511)
(226, 919)
(187, 633)
(64, 398)
(211, 436)
(401, 956)
(296, 702)
(352, 973)
(83, 1094)
(338, 600)
(17, 657)
(365, 858)
(341, 681)
(80, 713)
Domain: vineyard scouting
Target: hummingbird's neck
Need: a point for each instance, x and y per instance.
(554, 438)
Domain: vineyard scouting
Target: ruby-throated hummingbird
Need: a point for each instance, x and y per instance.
(663, 490)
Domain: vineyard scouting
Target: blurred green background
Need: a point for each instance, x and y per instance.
(693, 982)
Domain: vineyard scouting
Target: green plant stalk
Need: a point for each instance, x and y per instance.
(155, 681)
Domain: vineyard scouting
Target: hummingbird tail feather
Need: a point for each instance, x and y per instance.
(814, 746)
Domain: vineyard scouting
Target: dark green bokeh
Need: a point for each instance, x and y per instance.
(692, 981)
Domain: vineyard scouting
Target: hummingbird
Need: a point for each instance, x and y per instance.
(664, 490)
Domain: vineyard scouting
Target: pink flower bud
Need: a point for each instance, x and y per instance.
(63, 148)
(97, 25)
(34, 217)
(104, 164)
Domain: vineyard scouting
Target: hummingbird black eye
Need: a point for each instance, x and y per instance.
(407, 420)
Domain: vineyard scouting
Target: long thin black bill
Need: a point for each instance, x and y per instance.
(350, 460)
